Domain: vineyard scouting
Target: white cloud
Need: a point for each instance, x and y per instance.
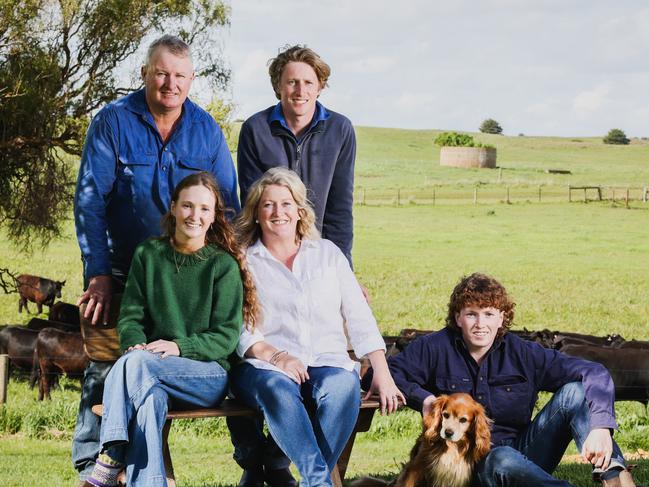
(589, 101)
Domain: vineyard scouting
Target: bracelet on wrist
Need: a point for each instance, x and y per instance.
(276, 356)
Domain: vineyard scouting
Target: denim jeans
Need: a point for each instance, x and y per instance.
(532, 457)
(141, 386)
(311, 422)
(85, 444)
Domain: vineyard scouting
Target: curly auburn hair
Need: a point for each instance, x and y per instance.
(297, 54)
(484, 292)
(220, 233)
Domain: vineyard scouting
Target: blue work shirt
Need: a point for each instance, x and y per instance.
(128, 174)
(506, 382)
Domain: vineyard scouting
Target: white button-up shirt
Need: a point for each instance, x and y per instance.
(307, 311)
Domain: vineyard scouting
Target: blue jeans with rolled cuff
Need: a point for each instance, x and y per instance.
(531, 458)
(311, 422)
(138, 391)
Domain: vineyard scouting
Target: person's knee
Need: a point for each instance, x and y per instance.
(572, 396)
(339, 387)
(503, 462)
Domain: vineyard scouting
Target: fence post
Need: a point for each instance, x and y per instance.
(475, 196)
(433, 196)
(398, 196)
(613, 194)
(500, 174)
(627, 198)
(364, 196)
(4, 377)
(585, 199)
(539, 193)
(645, 194)
(508, 202)
(569, 194)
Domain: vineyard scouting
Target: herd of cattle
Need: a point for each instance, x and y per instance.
(45, 348)
(48, 348)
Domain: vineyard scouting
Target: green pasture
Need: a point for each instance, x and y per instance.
(570, 266)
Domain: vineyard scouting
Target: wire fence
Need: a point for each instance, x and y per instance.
(490, 194)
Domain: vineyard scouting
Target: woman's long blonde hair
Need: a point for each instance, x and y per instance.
(220, 233)
(247, 228)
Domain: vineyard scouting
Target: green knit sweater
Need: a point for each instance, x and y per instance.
(194, 300)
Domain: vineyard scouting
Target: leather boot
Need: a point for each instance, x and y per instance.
(252, 478)
(280, 477)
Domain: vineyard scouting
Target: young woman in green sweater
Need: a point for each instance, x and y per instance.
(181, 314)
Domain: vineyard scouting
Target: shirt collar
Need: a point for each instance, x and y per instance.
(259, 249)
(277, 115)
(136, 102)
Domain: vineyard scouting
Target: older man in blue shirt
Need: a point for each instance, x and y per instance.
(137, 150)
(474, 354)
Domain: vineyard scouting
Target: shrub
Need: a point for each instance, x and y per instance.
(616, 136)
(453, 139)
(490, 126)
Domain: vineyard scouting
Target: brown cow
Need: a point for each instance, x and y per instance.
(58, 352)
(37, 289)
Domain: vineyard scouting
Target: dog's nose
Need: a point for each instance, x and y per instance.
(448, 432)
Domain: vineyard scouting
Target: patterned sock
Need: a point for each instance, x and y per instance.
(105, 472)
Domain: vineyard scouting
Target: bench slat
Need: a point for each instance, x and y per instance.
(229, 407)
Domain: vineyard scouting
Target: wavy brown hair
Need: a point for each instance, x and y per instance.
(247, 228)
(297, 54)
(220, 233)
(482, 291)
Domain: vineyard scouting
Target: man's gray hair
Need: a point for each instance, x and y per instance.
(173, 44)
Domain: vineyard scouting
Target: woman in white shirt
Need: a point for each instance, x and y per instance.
(296, 367)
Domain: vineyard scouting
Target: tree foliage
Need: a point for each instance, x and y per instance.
(616, 136)
(59, 63)
(454, 139)
(490, 126)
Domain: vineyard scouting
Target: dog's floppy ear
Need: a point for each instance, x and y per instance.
(433, 420)
(482, 431)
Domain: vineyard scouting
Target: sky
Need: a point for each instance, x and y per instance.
(553, 67)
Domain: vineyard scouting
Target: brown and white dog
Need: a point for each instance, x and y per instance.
(456, 436)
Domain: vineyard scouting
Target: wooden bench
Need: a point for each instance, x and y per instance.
(231, 407)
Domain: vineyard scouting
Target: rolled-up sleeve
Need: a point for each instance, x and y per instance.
(247, 339)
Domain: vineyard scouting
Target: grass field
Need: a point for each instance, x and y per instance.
(571, 266)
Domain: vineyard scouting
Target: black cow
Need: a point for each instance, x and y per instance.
(39, 323)
(37, 289)
(19, 343)
(58, 352)
(628, 367)
(65, 313)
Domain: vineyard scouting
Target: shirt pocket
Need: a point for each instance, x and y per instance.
(510, 399)
(134, 171)
(193, 163)
(323, 286)
(453, 384)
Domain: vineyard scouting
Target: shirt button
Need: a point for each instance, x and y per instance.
(453, 386)
(481, 378)
(480, 398)
(164, 168)
(508, 389)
